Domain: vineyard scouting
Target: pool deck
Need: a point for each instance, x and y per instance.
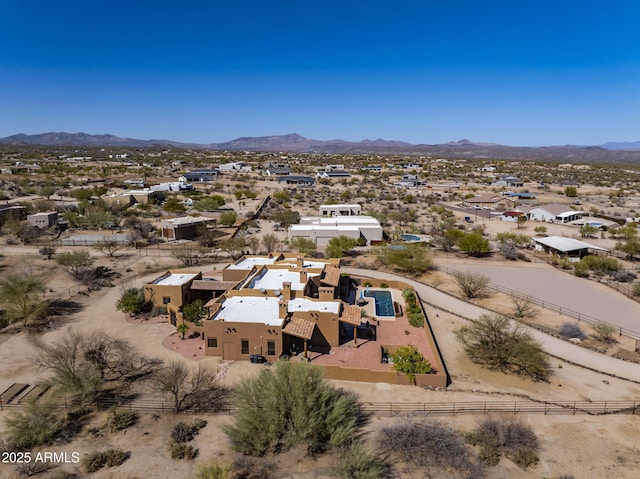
(370, 307)
(394, 331)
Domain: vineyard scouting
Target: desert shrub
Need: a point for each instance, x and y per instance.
(507, 435)
(571, 330)
(431, 446)
(413, 309)
(119, 419)
(603, 332)
(623, 276)
(494, 342)
(356, 462)
(181, 450)
(158, 310)
(472, 285)
(96, 460)
(289, 405)
(247, 467)
(183, 432)
(37, 425)
(212, 471)
(636, 289)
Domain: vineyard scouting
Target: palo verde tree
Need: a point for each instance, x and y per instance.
(410, 361)
(131, 300)
(496, 343)
(291, 405)
(22, 298)
(338, 247)
(76, 263)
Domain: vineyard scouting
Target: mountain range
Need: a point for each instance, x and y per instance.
(609, 152)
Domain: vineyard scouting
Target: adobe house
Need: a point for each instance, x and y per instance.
(172, 290)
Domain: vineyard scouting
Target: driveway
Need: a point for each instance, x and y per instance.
(549, 284)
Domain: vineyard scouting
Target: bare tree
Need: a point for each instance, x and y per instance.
(234, 247)
(270, 242)
(109, 247)
(254, 244)
(82, 364)
(189, 256)
(190, 389)
(524, 307)
(473, 285)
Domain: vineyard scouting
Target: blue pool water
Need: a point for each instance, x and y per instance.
(410, 238)
(383, 301)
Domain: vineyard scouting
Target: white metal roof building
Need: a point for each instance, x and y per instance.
(321, 230)
(250, 309)
(566, 246)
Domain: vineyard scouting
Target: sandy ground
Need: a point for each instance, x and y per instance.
(598, 446)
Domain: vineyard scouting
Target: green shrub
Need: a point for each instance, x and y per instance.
(119, 419)
(37, 425)
(96, 460)
(247, 467)
(291, 405)
(212, 471)
(410, 361)
(181, 450)
(356, 462)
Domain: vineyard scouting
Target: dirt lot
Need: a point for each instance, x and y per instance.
(584, 446)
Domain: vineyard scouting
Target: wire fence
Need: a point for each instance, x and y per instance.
(389, 409)
(562, 310)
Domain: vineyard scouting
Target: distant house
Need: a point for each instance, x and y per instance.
(554, 213)
(202, 175)
(520, 195)
(172, 186)
(340, 210)
(334, 174)
(569, 182)
(489, 200)
(508, 181)
(512, 216)
(43, 220)
(277, 171)
(297, 180)
(322, 168)
(234, 166)
(137, 183)
(184, 227)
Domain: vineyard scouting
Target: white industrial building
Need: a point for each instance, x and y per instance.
(321, 230)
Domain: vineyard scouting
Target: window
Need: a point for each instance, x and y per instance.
(166, 299)
(245, 346)
(271, 348)
(212, 342)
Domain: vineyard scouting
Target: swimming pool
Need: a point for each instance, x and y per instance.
(410, 238)
(383, 301)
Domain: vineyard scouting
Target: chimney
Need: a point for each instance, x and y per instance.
(300, 262)
(282, 309)
(303, 277)
(326, 293)
(286, 290)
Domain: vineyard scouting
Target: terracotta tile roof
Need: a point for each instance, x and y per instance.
(351, 315)
(300, 328)
(331, 275)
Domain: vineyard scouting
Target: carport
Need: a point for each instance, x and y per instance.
(566, 246)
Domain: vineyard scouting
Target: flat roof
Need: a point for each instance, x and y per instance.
(250, 309)
(250, 262)
(304, 305)
(174, 279)
(341, 206)
(188, 220)
(563, 244)
(272, 279)
(311, 227)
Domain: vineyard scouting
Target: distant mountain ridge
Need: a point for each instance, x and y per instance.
(294, 143)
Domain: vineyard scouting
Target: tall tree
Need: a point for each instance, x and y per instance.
(77, 263)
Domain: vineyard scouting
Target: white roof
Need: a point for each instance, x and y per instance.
(315, 227)
(272, 279)
(250, 262)
(340, 206)
(187, 220)
(362, 220)
(175, 279)
(250, 309)
(303, 304)
(563, 244)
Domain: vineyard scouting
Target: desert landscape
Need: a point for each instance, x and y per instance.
(601, 366)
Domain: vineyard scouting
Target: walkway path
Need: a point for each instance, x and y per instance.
(553, 346)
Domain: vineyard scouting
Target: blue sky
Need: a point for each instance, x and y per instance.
(511, 72)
